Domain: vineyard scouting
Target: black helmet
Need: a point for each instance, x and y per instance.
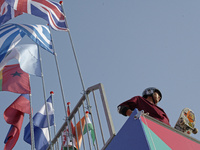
(149, 91)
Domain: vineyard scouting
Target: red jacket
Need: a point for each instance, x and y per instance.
(142, 104)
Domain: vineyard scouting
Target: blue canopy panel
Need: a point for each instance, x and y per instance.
(130, 136)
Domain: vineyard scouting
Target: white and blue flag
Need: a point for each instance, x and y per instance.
(40, 34)
(40, 123)
(27, 56)
(11, 35)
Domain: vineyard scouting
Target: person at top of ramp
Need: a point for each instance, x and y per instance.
(148, 102)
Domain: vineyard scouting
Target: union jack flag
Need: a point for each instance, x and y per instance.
(7, 12)
(48, 10)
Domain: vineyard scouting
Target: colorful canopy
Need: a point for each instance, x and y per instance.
(147, 134)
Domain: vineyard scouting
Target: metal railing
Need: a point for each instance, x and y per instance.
(99, 113)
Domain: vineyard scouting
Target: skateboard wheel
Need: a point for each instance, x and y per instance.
(195, 131)
(188, 132)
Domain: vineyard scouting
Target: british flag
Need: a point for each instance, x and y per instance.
(7, 12)
(48, 10)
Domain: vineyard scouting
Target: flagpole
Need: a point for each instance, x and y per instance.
(70, 127)
(45, 97)
(62, 91)
(63, 97)
(68, 122)
(57, 144)
(31, 124)
(77, 64)
(60, 81)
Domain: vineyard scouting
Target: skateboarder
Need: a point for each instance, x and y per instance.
(148, 102)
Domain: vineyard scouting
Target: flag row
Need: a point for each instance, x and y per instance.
(15, 78)
(14, 115)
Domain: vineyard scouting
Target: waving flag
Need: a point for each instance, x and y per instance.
(48, 10)
(40, 118)
(27, 56)
(65, 134)
(66, 138)
(41, 133)
(86, 124)
(13, 79)
(90, 128)
(14, 115)
(11, 34)
(7, 12)
(40, 34)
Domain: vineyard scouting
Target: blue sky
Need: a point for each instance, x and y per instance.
(127, 46)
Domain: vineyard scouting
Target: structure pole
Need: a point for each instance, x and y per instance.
(77, 64)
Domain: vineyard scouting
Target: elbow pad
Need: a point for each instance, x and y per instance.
(122, 110)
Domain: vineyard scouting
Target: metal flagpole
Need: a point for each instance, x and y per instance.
(55, 56)
(70, 127)
(45, 98)
(57, 144)
(31, 124)
(63, 97)
(61, 87)
(77, 64)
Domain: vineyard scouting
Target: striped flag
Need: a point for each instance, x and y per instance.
(41, 133)
(40, 34)
(48, 10)
(90, 128)
(86, 124)
(11, 34)
(7, 12)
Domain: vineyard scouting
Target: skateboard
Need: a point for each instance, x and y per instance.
(186, 122)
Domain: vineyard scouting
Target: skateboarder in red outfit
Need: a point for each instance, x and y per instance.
(148, 102)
